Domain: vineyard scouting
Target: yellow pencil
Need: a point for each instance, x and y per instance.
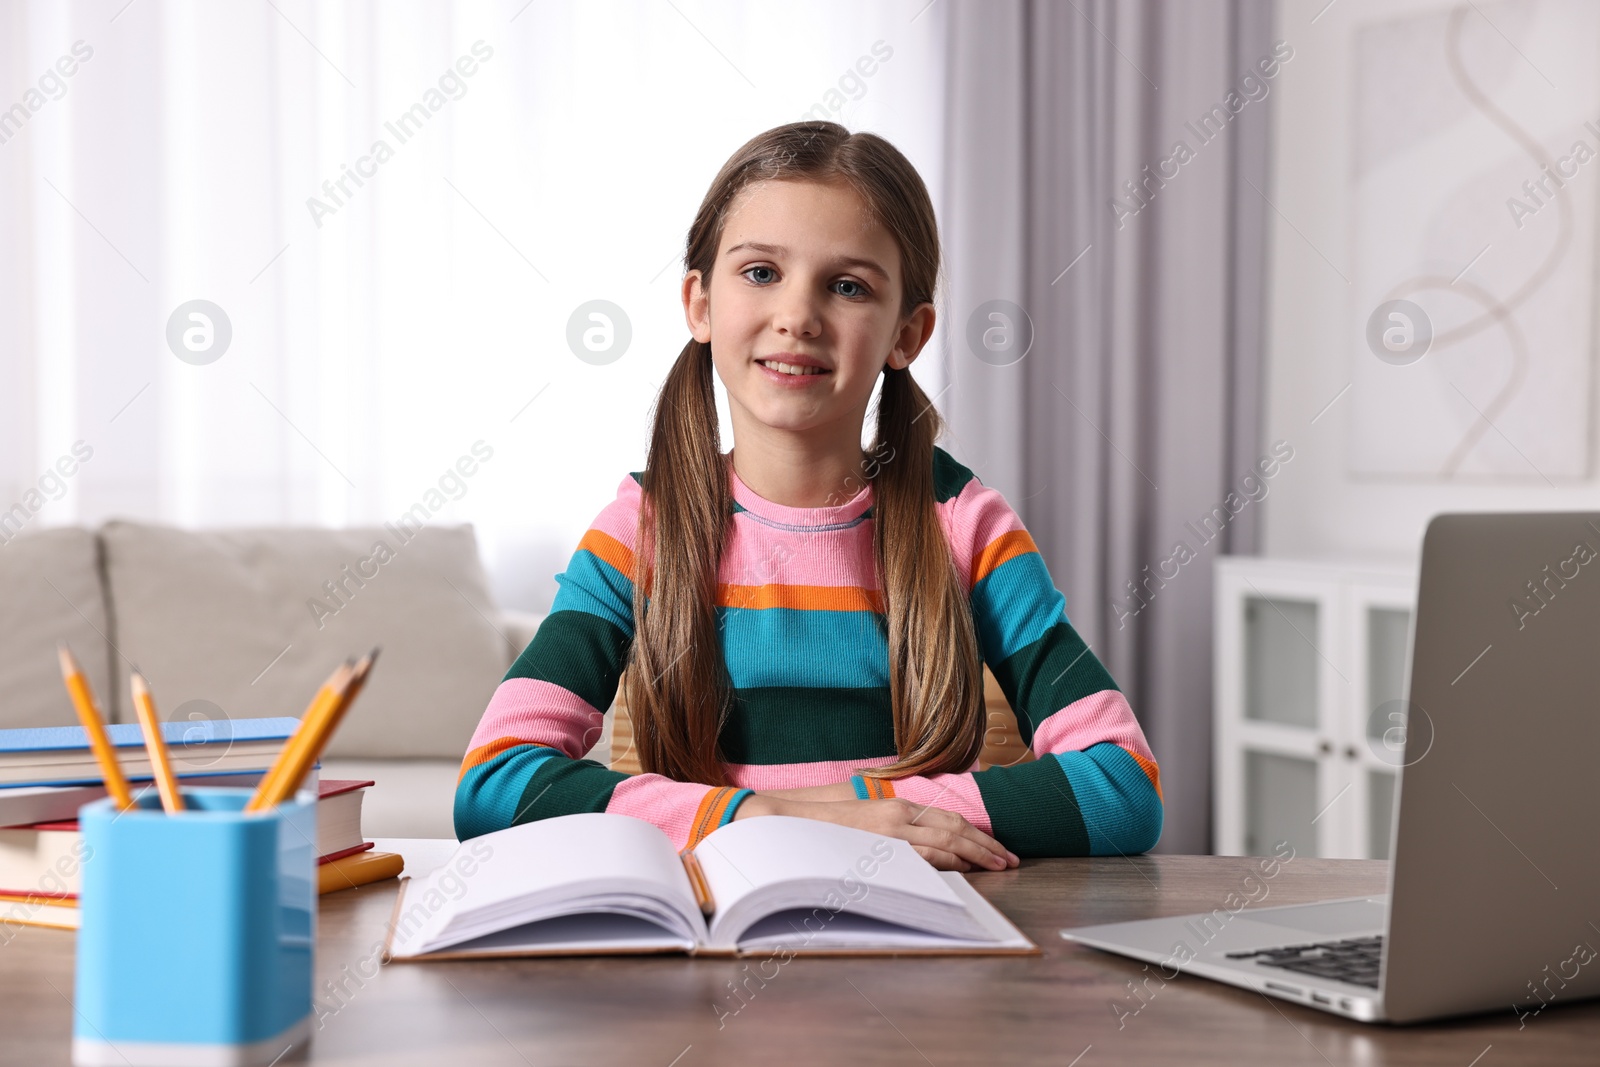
(697, 880)
(324, 701)
(166, 783)
(314, 733)
(95, 728)
(325, 697)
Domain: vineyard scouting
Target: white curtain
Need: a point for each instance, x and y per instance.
(512, 161)
(1137, 409)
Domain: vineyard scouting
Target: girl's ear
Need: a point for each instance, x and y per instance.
(912, 336)
(697, 306)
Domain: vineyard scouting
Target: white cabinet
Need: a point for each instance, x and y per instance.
(1310, 673)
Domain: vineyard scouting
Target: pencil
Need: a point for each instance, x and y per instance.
(327, 696)
(314, 731)
(317, 741)
(697, 879)
(166, 783)
(95, 728)
(318, 731)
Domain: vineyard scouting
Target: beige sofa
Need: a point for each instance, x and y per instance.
(243, 623)
(248, 622)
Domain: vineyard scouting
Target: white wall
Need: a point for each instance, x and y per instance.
(1314, 326)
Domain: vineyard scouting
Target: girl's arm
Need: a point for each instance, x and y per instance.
(1095, 788)
(525, 758)
(1102, 799)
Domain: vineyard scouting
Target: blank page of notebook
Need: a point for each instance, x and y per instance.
(602, 852)
(745, 856)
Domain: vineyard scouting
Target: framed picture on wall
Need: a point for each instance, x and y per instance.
(1474, 170)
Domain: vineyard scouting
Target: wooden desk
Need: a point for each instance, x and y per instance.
(659, 1011)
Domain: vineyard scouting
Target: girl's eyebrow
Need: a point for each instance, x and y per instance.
(778, 250)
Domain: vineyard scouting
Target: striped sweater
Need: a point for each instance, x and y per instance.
(806, 648)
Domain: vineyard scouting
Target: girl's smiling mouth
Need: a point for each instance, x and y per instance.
(788, 368)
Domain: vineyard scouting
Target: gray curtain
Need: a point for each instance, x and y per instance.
(1136, 410)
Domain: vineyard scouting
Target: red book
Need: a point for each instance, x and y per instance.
(41, 862)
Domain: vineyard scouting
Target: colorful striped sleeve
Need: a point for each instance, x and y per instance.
(1095, 787)
(525, 760)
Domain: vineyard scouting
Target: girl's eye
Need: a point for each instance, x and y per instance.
(857, 292)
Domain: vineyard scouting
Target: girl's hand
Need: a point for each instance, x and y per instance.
(941, 837)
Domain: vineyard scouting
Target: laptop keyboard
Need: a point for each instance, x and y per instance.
(1354, 960)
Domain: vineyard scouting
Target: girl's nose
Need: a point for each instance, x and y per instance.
(798, 315)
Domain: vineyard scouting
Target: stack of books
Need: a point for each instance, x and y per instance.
(46, 774)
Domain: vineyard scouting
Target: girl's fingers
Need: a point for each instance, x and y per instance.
(942, 860)
(959, 844)
(928, 829)
(938, 818)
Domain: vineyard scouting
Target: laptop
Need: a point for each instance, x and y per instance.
(1493, 900)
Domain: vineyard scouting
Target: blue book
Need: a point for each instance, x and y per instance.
(60, 755)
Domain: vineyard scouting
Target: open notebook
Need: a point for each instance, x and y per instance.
(595, 883)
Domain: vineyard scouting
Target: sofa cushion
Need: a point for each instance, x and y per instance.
(252, 621)
(50, 592)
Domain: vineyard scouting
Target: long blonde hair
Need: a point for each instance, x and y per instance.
(677, 688)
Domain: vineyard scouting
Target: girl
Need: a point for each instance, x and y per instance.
(803, 623)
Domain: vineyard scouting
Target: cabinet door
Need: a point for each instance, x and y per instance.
(1377, 720)
(1277, 766)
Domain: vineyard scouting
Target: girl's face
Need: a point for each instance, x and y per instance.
(803, 273)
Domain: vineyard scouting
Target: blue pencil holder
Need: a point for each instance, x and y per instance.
(196, 937)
